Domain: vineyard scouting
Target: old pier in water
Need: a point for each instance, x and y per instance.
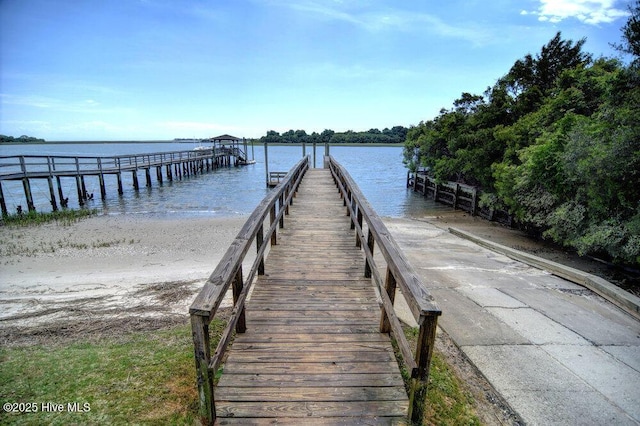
(223, 151)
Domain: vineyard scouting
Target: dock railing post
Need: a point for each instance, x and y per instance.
(424, 350)
(202, 349)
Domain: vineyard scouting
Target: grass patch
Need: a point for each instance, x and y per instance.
(448, 402)
(64, 217)
(148, 378)
(141, 378)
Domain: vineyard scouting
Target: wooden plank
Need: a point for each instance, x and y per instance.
(310, 380)
(306, 409)
(323, 393)
(252, 356)
(314, 421)
(312, 347)
(342, 337)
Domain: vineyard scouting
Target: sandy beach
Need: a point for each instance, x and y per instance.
(107, 267)
(66, 280)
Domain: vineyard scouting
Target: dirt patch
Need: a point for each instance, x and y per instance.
(145, 308)
(170, 291)
(64, 332)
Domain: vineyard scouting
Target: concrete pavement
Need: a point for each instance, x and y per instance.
(557, 352)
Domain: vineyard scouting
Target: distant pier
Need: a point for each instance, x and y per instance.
(165, 165)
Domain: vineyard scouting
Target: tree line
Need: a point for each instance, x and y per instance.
(395, 135)
(20, 139)
(556, 142)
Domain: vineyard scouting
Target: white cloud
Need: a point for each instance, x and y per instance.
(591, 12)
(363, 15)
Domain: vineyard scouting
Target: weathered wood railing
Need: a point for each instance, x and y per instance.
(457, 195)
(398, 272)
(229, 273)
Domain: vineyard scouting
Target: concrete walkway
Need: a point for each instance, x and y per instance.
(558, 353)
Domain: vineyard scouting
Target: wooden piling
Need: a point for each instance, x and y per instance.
(79, 188)
(3, 204)
(134, 175)
(52, 194)
(60, 193)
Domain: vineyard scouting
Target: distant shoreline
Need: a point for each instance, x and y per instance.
(257, 143)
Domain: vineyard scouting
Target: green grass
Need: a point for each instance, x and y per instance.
(142, 378)
(149, 378)
(448, 402)
(65, 217)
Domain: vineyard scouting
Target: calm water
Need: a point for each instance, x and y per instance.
(224, 192)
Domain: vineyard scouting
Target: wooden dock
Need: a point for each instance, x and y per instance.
(312, 347)
(170, 165)
(312, 341)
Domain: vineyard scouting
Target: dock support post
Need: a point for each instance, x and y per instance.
(60, 193)
(119, 177)
(134, 175)
(147, 174)
(52, 193)
(26, 185)
(84, 188)
(314, 155)
(3, 204)
(266, 162)
(159, 174)
(169, 174)
(79, 188)
(103, 188)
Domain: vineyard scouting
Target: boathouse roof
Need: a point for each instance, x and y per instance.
(226, 137)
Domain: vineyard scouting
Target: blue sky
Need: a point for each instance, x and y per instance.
(161, 69)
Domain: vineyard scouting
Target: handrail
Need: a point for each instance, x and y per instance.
(399, 271)
(229, 273)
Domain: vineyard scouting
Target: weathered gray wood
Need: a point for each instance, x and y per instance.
(312, 320)
(204, 378)
(399, 271)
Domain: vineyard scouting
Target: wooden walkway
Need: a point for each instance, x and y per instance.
(312, 352)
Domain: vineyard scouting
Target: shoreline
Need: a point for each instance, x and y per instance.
(109, 265)
(102, 266)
